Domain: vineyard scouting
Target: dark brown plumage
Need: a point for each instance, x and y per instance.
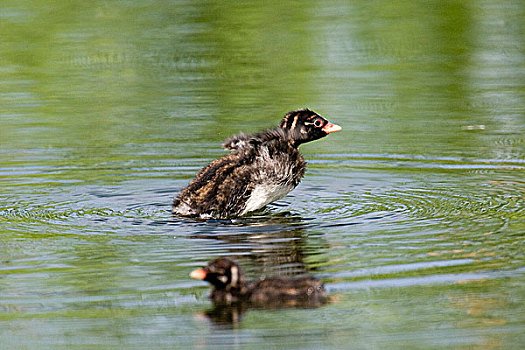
(260, 169)
(230, 286)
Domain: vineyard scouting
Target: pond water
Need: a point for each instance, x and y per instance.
(413, 215)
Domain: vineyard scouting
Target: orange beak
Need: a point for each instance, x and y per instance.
(329, 128)
(198, 274)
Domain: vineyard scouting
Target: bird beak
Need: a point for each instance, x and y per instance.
(328, 128)
(198, 274)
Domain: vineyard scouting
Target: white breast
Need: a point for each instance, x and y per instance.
(265, 194)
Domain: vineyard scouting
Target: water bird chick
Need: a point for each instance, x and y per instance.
(260, 169)
(230, 287)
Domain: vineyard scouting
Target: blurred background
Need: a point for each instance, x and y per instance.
(413, 215)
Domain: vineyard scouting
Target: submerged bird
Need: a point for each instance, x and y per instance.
(231, 287)
(260, 169)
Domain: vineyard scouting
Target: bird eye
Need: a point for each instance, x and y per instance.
(318, 123)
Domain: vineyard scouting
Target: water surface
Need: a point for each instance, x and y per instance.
(413, 215)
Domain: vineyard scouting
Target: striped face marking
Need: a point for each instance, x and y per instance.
(294, 123)
(235, 276)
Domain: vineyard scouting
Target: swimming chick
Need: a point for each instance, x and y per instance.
(230, 287)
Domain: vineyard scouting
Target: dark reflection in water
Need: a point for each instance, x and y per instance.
(274, 243)
(227, 315)
(231, 315)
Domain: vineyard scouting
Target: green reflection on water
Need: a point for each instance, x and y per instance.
(414, 213)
